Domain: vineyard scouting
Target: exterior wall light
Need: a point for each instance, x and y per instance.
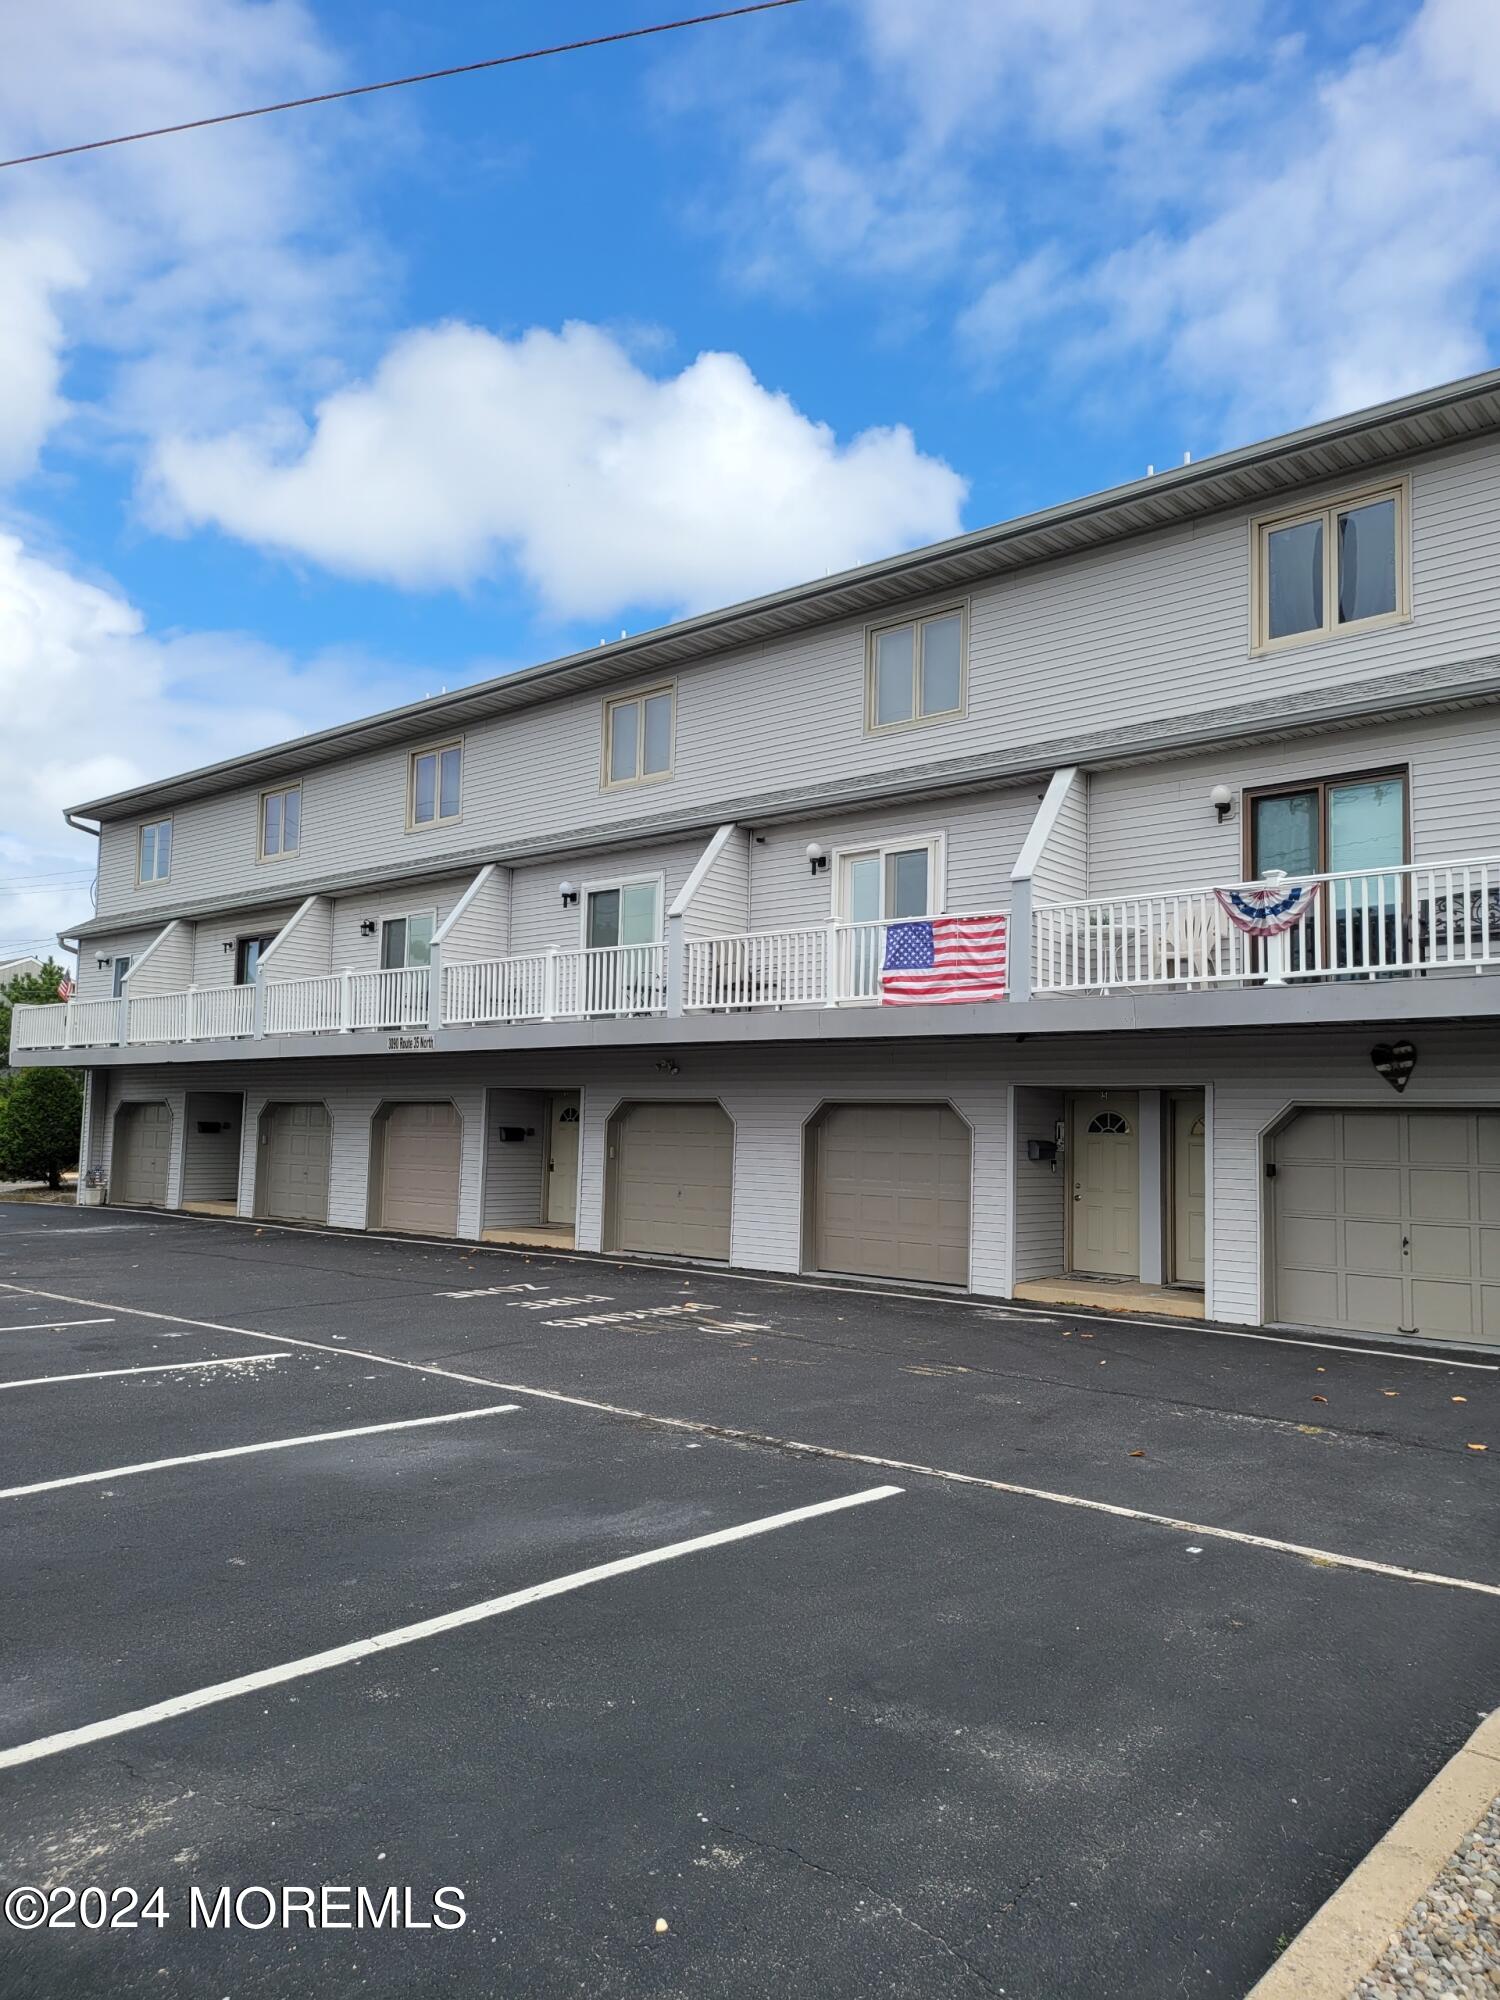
(817, 860)
(103, 961)
(1222, 801)
(568, 893)
(367, 928)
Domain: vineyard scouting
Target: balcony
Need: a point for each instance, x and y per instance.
(1442, 919)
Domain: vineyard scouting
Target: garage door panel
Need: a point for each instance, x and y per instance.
(673, 1180)
(143, 1154)
(296, 1148)
(890, 1192)
(1404, 1246)
(421, 1168)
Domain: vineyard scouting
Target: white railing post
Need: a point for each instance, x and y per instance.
(676, 957)
(834, 969)
(122, 1028)
(258, 1005)
(435, 990)
(1276, 959)
(190, 1021)
(549, 984)
(1018, 941)
(346, 1000)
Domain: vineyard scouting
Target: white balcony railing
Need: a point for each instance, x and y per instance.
(557, 985)
(1359, 925)
(92, 1023)
(221, 1013)
(157, 1017)
(817, 965)
(33, 1027)
(393, 999)
(309, 1006)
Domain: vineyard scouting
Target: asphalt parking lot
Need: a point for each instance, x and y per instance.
(731, 1636)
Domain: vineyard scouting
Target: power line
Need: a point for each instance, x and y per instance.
(398, 82)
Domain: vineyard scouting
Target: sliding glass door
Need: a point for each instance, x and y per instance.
(1352, 828)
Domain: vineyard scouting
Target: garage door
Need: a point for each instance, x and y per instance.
(672, 1173)
(294, 1148)
(891, 1192)
(1389, 1222)
(143, 1150)
(420, 1156)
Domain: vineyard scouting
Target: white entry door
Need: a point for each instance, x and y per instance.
(1106, 1185)
(562, 1158)
(1189, 1189)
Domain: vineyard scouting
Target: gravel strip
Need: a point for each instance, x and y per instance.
(1449, 1946)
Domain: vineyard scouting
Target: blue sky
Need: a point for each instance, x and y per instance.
(304, 416)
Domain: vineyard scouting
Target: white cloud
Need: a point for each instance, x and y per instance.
(93, 703)
(189, 266)
(603, 485)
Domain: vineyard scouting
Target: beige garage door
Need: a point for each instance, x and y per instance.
(1389, 1222)
(891, 1192)
(671, 1172)
(419, 1168)
(294, 1153)
(143, 1151)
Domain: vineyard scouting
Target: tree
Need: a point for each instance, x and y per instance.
(41, 1114)
(27, 989)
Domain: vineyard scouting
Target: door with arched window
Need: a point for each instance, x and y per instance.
(1105, 1185)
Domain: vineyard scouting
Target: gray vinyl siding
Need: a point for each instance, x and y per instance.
(362, 954)
(1063, 870)
(305, 948)
(721, 905)
(483, 931)
(165, 965)
(211, 1160)
(982, 837)
(213, 965)
(97, 982)
(1254, 1079)
(1154, 627)
(1152, 826)
(538, 918)
(1040, 1198)
(513, 1172)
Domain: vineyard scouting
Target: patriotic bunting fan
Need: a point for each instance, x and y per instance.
(1264, 912)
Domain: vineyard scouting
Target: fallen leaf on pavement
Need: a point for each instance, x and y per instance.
(1460, 1399)
(1479, 1447)
(1320, 1399)
(1137, 1454)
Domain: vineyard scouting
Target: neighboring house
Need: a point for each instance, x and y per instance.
(595, 949)
(18, 968)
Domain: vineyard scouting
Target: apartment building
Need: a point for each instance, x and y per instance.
(600, 953)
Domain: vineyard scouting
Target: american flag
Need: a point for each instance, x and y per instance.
(942, 961)
(65, 988)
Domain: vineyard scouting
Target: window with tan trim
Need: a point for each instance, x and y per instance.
(638, 733)
(280, 822)
(1341, 567)
(917, 671)
(434, 785)
(154, 851)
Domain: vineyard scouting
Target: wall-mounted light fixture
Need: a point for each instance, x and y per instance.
(668, 1067)
(568, 893)
(228, 946)
(817, 860)
(1222, 801)
(103, 963)
(367, 927)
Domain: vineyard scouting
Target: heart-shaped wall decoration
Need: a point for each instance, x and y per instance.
(1395, 1061)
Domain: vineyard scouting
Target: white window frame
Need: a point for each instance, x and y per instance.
(119, 971)
(937, 871)
(1263, 526)
(400, 917)
(657, 878)
(282, 792)
(150, 825)
(873, 633)
(641, 696)
(439, 817)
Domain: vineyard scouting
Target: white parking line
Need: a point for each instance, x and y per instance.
(247, 1450)
(1332, 1558)
(426, 1628)
(53, 1325)
(154, 1368)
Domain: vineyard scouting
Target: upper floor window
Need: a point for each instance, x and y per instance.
(618, 913)
(916, 671)
(435, 784)
(121, 967)
(638, 737)
(407, 940)
(248, 953)
(1338, 568)
(154, 863)
(280, 822)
